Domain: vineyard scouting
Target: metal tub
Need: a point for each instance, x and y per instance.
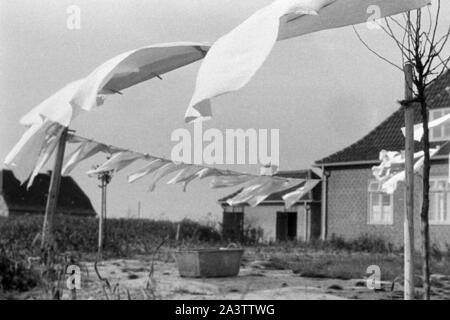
(209, 263)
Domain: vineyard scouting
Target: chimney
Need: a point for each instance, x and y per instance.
(268, 170)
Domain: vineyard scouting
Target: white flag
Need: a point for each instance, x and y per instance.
(234, 59)
(418, 128)
(291, 198)
(118, 161)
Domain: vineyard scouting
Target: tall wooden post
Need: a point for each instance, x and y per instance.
(105, 222)
(409, 192)
(101, 217)
(53, 192)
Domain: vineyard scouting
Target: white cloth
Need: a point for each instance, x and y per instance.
(55, 108)
(418, 128)
(343, 13)
(390, 160)
(186, 175)
(118, 161)
(53, 134)
(85, 150)
(163, 172)
(258, 189)
(213, 172)
(225, 181)
(118, 73)
(291, 198)
(133, 67)
(152, 166)
(234, 59)
(389, 185)
(33, 150)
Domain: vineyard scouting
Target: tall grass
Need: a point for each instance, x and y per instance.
(123, 237)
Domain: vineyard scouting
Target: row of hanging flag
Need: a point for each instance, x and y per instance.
(255, 188)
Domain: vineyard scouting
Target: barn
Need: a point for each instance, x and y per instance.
(16, 200)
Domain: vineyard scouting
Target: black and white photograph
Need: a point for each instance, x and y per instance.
(221, 157)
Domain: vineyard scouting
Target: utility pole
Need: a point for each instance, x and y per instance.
(53, 192)
(139, 210)
(105, 179)
(409, 292)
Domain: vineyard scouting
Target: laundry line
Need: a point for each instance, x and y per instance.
(255, 188)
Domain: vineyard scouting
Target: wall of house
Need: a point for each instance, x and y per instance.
(265, 217)
(347, 207)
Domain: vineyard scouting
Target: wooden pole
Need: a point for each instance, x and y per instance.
(105, 222)
(53, 192)
(139, 209)
(100, 221)
(323, 220)
(409, 192)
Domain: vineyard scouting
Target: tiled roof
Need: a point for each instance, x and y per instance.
(388, 135)
(17, 197)
(299, 174)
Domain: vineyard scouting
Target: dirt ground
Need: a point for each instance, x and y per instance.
(253, 282)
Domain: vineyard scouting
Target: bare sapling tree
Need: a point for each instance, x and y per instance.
(422, 42)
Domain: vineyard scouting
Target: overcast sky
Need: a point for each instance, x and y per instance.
(322, 91)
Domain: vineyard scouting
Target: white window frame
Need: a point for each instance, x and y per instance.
(439, 198)
(438, 133)
(374, 189)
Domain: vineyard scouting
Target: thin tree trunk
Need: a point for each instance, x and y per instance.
(426, 200)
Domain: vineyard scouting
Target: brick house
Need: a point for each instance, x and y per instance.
(270, 221)
(351, 203)
(16, 200)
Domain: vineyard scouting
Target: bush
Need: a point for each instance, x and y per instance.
(15, 276)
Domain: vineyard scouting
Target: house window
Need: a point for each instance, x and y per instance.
(439, 201)
(441, 132)
(381, 209)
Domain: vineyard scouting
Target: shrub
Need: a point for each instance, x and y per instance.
(15, 275)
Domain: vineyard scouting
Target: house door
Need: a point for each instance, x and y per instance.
(233, 225)
(286, 228)
(316, 222)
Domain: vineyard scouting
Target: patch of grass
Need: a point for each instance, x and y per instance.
(354, 266)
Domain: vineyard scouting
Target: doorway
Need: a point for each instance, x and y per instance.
(233, 225)
(286, 228)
